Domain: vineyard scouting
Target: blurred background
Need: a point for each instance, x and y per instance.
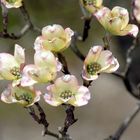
(110, 103)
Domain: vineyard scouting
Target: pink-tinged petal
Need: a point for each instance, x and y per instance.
(93, 54)
(88, 77)
(52, 31)
(66, 82)
(102, 15)
(38, 43)
(48, 97)
(130, 29)
(114, 65)
(33, 74)
(6, 95)
(81, 98)
(59, 65)
(69, 33)
(19, 54)
(105, 58)
(136, 10)
(27, 79)
(45, 59)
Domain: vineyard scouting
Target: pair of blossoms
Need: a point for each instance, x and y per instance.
(65, 89)
(115, 21)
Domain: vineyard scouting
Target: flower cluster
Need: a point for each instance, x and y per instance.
(64, 89)
(55, 39)
(44, 70)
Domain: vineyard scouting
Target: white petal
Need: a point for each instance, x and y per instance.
(59, 65)
(38, 43)
(52, 101)
(19, 54)
(82, 97)
(6, 95)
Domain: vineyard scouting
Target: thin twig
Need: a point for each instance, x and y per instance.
(75, 49)
(27, 27)
(41, 119)
(4, 17)
(125, 124)
(64, 63)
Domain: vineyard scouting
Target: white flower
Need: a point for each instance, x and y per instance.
(97, 61)
(67, 90)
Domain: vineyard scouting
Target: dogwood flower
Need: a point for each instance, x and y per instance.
(116, 21)
(12, 3)
(26, 96)
(11, 65)
(54, 38)
(136, 10)
(91, 5)
(97, 61)
(43, 70)
(67, 90)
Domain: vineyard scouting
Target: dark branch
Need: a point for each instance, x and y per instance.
(4, 18)
(125, 124)
(70, 120)
(86, 29)
(41, 119)
(64, 63)
(27, 27)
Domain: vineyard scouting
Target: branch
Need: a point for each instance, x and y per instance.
(125, 124)
(70, 120)
(41, 120)
(86, 29)
(4, 17)
(27, 27)
(64, 63)
(75, 49)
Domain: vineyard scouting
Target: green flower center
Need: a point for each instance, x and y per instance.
(11, 1)
(15, 71)
(93, 68)
(66, 94)
(25, 97)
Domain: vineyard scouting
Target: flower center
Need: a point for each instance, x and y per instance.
(66, 94)
(93, 68)
(89, 2)
(15, 71)
(25, 97)
(11, 1)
